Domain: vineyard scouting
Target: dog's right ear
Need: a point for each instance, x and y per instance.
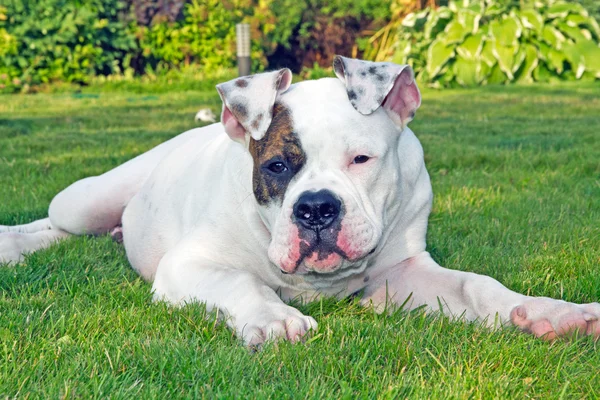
(248, 103)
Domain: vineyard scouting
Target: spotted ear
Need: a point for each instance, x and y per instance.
(371, 85)
(248, 103)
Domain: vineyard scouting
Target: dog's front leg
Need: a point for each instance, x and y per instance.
(252, 309)
(420, 281)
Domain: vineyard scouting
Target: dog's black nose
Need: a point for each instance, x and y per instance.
(317, 210)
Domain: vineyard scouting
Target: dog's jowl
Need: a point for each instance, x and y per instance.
(317, 188)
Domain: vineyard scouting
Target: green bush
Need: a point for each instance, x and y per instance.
(58, 40)
(498, 42)
(205, 37)
(44, 41)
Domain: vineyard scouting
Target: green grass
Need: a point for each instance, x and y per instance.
(516, 173)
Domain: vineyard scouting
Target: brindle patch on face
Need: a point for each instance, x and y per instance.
(280, 144)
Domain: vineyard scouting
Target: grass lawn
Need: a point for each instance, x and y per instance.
(516, 173)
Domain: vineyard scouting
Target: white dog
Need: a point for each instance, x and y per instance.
(317, 188)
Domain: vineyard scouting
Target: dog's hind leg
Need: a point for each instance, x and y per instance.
(14, 246)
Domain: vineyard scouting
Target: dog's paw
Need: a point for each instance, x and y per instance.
(548, 318)
(276, 324)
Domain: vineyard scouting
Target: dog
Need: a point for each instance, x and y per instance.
(313, 189)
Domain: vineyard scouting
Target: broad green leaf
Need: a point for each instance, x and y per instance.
(575, 57)
(554, 59)
(430, 24)
(591, 55)
(573, 32)
(518, 60)
(541, 73)
(497, 76)
(476, 7)
(553, 36)
(529, 64)
(576, 20)
(465, 71)
(506, 57)
(487, 55)
(402, 52)
(437, 56)
(483, 71)
(446, 76)
(455, 32)
(531, 19)
(436, 22)
(471, 47)
(494, 9)
(507, 31)
(562, 9)
(593, 25)
(469, 19)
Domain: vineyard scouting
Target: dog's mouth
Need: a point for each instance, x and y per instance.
(322, 251)
(321, 257)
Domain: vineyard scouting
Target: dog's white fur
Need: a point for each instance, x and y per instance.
(192, 226)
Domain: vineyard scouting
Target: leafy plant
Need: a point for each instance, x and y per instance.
(488, 41)
(57, 40)
(204, 37)
(380, 45)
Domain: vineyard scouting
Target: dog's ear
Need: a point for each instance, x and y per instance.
(371, 85)
(248, 103)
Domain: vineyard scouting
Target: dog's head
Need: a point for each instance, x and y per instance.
(326, 165)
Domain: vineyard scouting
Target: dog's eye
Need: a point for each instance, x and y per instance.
(360, 159)
(277, 167)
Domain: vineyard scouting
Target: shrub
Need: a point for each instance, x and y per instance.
(313, 31)
(205, 36)
(43, 41)
(148, 12)
(49, 40)
(497, 42)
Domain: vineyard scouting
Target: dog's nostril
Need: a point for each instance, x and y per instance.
(303, 211)
(317, 210)
(327, 210)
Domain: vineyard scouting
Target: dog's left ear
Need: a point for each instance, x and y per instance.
(248, 103)
(371, 85)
